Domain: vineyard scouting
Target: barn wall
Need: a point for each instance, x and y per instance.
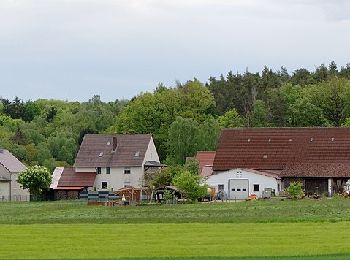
(317, 185)
(254, 178)
(66, 194)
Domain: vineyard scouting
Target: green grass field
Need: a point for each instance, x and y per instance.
(272, 229)
(65, 212)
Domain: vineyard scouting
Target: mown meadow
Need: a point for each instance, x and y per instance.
(267, 211)
(268, 229)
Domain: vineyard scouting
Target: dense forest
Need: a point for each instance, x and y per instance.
(182, 119)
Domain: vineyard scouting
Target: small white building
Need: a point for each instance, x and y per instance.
(241, 183)
(10, 167)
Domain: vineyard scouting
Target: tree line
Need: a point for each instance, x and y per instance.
(182, 119)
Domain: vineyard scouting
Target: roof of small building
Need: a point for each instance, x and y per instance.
(205, 160)
(298, 152)
(56, 175)
(70, 178)
(316, 170)
(10, 162)
(154, 164)
(98, 150)
(206, 171)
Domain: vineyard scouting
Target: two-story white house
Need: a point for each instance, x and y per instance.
(117, 160)
(10, 167)
(108, 162)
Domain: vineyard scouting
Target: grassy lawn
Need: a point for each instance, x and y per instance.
(67, 241)
(271, 229)
(331, 210)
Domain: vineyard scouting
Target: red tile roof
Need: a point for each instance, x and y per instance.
(316, 170)
(97, 150)
(296, 151)
(206, 171)
(70, 178)
(205, 158)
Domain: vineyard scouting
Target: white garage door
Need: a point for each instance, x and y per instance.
(238, 189)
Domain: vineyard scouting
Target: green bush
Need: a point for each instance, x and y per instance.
(168, 196)
(190, 185)
(295, 190)
(35, 178)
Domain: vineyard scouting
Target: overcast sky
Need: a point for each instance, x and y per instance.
(73, 49)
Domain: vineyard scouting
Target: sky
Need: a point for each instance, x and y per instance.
(74, 49)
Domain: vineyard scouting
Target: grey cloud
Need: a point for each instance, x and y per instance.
(118, 48)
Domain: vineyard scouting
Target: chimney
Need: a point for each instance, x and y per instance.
(115, 144)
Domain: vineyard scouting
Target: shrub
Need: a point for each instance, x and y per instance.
(190, 185)
(35, 178)
(295, 190)
(168, 196)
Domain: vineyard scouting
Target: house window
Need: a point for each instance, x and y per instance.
(278, 187)
(108, 170)
(127, 171)
(98, 170)
(221, 187)
(104, 185)
(256, 187)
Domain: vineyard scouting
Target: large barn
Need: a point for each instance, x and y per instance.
(249, 160)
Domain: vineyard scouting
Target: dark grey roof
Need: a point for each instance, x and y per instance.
(154, 164)
(97, 150)
(10, 162)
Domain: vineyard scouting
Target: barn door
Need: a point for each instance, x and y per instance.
(238, 189)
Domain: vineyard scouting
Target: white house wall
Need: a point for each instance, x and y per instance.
(17, 193)
(4, 190)
(222, 178)
(117, 179)
(85, 169)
